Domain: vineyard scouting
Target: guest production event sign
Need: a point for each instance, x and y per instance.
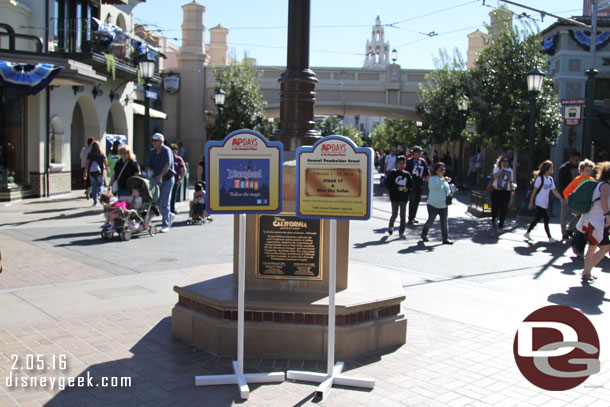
(244, 174)
(334, 180)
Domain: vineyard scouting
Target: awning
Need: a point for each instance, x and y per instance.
(155, 114)
(28, 78)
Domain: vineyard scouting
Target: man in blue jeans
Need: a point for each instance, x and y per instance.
(161, 162)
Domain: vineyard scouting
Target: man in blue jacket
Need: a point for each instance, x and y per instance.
(161, 162)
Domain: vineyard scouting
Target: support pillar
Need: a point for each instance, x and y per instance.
(296, 126)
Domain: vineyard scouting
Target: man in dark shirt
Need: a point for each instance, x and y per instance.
(161, 162)
(418, 169)
(567, 172)
(399, 182)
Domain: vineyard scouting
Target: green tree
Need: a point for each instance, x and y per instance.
(439, 98)
(244, 103)
(328, 126)
(500, 101)
(331, 125)
(395, 134)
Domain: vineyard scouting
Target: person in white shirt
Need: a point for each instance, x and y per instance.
(543, 186)
(502, 179)
(390, 162)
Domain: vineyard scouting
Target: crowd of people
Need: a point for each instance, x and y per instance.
(405, 178)
(164, 165)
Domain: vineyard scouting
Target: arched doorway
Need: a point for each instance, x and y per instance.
(85, 124)
(116, 123)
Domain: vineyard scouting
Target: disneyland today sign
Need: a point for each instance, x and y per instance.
(334, 180)
(244, 174)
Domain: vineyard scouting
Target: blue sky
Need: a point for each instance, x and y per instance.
(340, 28)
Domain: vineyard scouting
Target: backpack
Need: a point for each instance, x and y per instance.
(581, 200)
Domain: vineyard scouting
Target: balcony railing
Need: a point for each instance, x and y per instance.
(74, 36)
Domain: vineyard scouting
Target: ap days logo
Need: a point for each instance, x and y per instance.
(557, 348)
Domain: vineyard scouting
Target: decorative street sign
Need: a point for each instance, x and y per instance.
(572, 116)
(244, 174)
(573, 102)
(334, 180)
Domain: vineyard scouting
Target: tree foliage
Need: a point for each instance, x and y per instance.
(331, 126)
(497, 91)
(395, 134)
(500, 98)
(439, 97)
(244, 103)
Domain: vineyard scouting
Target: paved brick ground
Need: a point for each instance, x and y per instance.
(26, 265)
(444, 363)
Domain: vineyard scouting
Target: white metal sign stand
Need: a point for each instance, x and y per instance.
(238, 377)
(333, 371)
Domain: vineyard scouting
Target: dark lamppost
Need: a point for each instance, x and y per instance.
(589, 113)
(219, 100)
(463, 105)
(394, 55)
(147, 70)
(534, 86)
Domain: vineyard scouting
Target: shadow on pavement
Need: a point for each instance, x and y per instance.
(95, 233)
(61, 216)
(383, 240)
(586, 298)
(163, 369)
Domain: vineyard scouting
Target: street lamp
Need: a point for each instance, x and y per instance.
(219, 100)
(463, 104)
(534, 86)
(146, 66)
(394, 55)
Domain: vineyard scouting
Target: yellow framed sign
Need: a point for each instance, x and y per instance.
(244, 174)
(334, 180)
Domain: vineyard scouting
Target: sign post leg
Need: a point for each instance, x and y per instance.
(238, 377)
(333, 371)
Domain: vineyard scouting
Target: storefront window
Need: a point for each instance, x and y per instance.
(12, 136)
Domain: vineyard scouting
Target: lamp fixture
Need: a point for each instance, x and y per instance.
(77, 89)
(534, 80)
(96, 91)
(219, 97)
(463, 103)
(114, 96)
(394, 55)
(147, 67)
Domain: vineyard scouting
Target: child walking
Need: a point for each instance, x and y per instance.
(543, 186)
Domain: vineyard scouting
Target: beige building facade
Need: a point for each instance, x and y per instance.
(41, 135)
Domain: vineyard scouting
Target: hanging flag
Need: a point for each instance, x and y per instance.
(28, 78)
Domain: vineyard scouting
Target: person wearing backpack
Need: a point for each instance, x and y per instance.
(596, 222)
(543, 186)
(567, 172)
(585, 168)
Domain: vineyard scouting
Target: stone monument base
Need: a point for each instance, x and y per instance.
(281, 324)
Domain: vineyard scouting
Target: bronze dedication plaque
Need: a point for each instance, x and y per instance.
(288, 247)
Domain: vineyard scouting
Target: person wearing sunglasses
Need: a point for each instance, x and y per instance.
(439, 190)
(502, 180)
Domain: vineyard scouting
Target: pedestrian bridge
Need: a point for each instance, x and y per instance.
(390, 92)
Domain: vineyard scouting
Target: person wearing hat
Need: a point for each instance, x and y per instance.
(161, 162)
(419, 172)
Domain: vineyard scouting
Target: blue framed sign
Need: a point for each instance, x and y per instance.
(334, 180)
(244, 174)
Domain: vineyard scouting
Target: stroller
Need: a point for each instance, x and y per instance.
(202, 217)
(137, 220)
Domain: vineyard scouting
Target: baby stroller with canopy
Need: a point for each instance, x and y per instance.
(137, 220)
